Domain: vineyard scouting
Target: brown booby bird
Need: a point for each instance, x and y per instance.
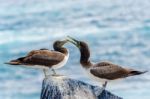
(44, 58)
(101, 71)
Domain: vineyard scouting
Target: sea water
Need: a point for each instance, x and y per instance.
(116, 31)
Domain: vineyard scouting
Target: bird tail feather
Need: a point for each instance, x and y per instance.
(134, 72)
(12, 63)
(15, 62)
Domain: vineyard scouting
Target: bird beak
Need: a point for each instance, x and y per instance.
(6, 63)
(63, 42)
(73, 41)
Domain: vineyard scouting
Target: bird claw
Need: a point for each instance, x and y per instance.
(56, 75)
(104, 85)
(98, 91)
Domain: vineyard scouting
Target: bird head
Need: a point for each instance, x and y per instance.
(83, 48)
(80, 44)
(59, 43)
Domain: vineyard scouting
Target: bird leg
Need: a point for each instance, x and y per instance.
(54, 73)
(45, 72)
(104, 85)
(99, 91)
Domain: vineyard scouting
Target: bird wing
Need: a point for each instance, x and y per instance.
(107, 70)
(44, 49)
(101, 64)
(43, 57)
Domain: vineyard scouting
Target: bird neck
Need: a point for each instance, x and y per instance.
(61, 49)
(84, 59)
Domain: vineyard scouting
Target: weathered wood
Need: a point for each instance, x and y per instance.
(60, 87)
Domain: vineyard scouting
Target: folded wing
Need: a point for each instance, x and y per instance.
(108, 71)
(39, 57)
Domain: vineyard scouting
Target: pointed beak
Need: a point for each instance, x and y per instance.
(7, 63)
(73, 41)
(64, 42)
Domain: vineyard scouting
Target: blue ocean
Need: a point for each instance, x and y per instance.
(116, 31)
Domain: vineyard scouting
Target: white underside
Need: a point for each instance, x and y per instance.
(45, 68)
(94, 77)
(62, 63)
(38, 67)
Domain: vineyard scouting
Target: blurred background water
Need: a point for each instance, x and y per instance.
(116, 30)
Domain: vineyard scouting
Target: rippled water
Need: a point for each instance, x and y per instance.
(116, 30)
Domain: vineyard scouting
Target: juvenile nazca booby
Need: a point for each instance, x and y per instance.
(101, 71)
(45, 59)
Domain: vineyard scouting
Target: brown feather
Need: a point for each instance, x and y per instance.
(40, 57)
(108, 71)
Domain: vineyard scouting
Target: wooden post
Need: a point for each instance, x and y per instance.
(60, 87)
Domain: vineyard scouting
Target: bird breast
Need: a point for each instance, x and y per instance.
(62, 63)
(95, 77)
